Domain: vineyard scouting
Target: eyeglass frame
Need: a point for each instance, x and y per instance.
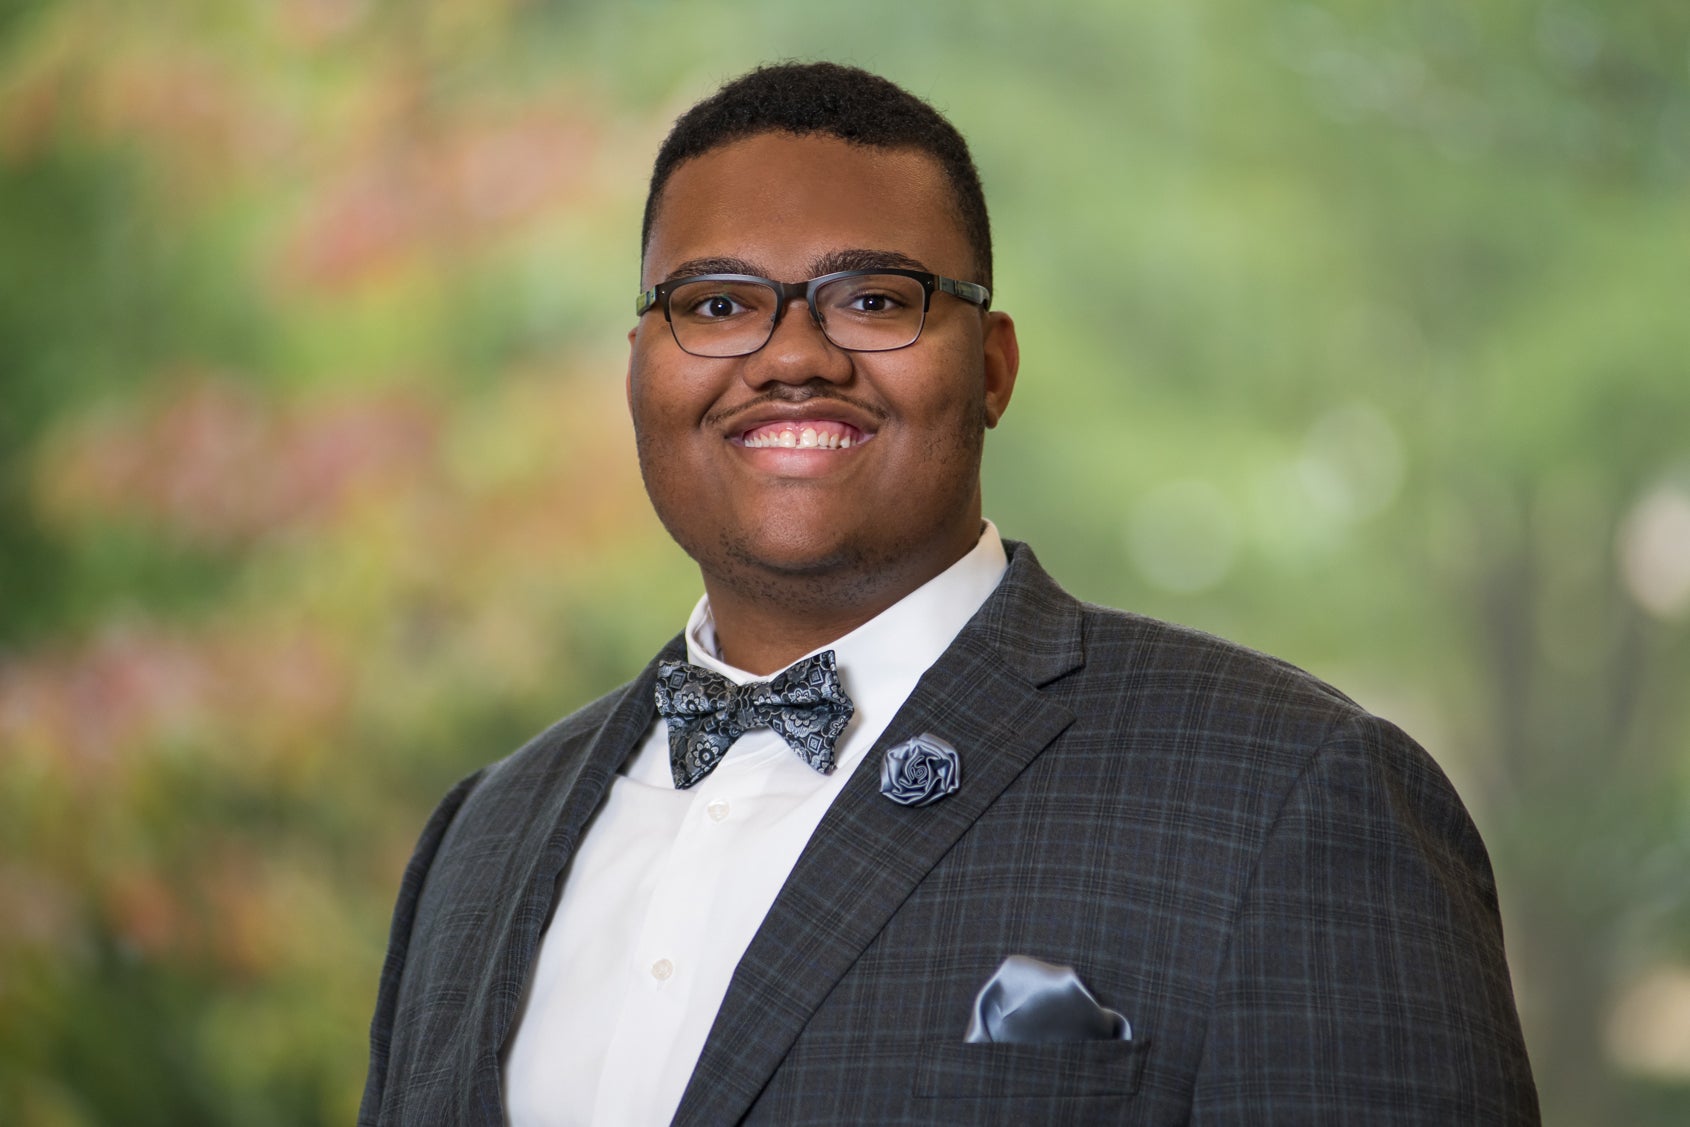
(972, 292)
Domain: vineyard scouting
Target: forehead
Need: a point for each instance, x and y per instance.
(782, 201)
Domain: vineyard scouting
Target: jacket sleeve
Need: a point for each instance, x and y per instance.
(1366, 981)
(398, 942)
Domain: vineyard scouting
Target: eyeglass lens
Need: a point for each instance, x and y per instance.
(863, 313)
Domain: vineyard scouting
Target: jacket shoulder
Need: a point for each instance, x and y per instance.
(1165, 657)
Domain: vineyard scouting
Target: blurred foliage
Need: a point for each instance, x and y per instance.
(1352, 330)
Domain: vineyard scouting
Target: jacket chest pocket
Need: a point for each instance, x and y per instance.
(1068, 1068)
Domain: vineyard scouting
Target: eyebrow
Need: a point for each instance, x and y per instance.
(693, 267)
(863, 260)
(830, 263)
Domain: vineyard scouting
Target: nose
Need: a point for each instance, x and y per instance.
(797, 352)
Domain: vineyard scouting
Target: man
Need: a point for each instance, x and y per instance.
(1033, 862)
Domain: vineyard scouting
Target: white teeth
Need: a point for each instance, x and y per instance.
(805, 438)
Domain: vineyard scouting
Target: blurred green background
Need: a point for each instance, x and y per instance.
(1354, 331)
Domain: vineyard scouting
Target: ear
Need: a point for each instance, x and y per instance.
(1003, 360)
(628, 380)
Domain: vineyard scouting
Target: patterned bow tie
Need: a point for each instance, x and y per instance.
(707, 712)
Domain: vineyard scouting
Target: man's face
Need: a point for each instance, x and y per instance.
(860, 522)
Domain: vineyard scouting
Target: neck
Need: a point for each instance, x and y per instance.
(763, 642)
(764, 627)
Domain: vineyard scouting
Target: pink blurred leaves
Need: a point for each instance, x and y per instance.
(214, 463)
(421, 185)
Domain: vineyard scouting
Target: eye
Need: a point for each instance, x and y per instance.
(872, 297)
(873, 303)
(869, 300)
(712, 306)
(711, 301)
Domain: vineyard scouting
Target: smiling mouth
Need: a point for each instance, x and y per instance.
(808, 434)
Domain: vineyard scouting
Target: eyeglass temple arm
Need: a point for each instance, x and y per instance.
(967, 291)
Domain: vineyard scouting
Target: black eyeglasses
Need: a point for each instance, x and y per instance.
(721, 315)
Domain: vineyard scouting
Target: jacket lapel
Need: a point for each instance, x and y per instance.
(571, 800)
(868, 854)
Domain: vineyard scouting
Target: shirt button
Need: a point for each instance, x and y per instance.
(717, 810)
(662, 969)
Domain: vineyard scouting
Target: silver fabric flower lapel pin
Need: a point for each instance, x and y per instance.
(920, 771)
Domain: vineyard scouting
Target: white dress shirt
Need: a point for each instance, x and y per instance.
(669, 886)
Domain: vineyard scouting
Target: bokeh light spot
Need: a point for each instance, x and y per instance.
(1183, 536)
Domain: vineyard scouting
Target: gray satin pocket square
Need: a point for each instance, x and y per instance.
(1029, 1001)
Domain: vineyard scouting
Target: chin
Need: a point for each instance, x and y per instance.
(797, 557)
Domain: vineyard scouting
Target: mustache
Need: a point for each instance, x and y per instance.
(789, 393)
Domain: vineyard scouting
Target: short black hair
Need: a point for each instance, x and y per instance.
(840, 101)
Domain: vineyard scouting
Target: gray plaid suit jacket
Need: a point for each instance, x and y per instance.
(1281, 892)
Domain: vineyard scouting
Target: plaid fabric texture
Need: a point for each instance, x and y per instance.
(1282, 893)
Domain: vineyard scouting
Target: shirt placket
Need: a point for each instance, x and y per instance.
(662, 974)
